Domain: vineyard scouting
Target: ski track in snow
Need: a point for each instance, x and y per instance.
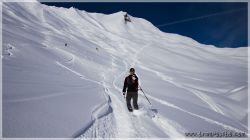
(202, 96)
(78, 74)
(102, 124)
(122, 125)
(36, 98)
(195, 115)
(169, 129)
(128, 125)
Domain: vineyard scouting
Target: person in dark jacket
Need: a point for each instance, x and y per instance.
(131, 87)
(126, 18)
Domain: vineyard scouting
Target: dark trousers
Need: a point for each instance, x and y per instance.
(131, 95)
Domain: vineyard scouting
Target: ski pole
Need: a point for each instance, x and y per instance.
(145, 95)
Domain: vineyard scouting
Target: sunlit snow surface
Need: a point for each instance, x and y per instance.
(53, 90)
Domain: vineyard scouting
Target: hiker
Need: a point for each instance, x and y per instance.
(126, 18)
(131, 87)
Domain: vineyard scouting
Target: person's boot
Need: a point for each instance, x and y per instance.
(130, 109)
(136, 107)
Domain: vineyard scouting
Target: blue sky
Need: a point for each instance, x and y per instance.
(219, 24)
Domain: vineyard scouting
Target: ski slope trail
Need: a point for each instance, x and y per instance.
(141, 123)
(55, 90)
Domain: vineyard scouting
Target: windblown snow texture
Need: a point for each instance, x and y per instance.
(55, 90)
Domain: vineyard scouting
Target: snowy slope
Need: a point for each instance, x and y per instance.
(53, 90)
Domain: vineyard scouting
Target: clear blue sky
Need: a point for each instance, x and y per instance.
(219, 24)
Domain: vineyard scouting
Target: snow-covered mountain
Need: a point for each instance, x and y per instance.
(63, 72)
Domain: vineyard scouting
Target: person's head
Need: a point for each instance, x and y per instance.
(132, 71)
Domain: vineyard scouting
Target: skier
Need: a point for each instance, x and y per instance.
(131, 87)
(126, 18)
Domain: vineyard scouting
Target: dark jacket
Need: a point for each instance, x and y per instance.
(130, 85)
(127, 18)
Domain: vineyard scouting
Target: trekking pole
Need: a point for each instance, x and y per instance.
(145, 95)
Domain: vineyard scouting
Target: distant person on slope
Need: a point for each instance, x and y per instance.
(131, 87)
(126, 18)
